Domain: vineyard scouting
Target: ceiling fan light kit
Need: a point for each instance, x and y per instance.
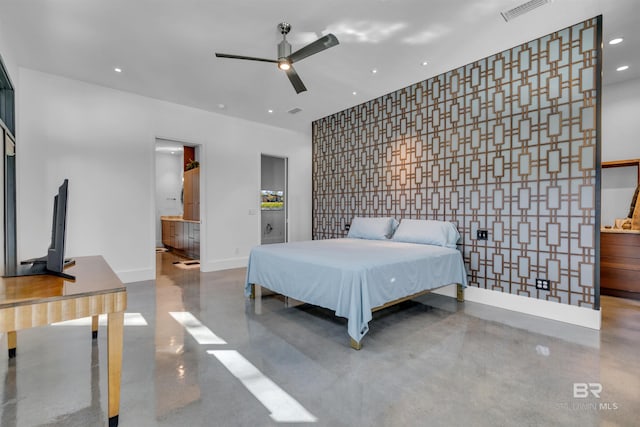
(284, 65)
(286, 58)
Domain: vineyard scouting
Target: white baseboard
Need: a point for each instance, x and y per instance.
(224, 264)
(580, 316)
(130, 276)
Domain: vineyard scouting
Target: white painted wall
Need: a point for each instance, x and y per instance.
(8, 58)
(621, 121)
(168, 188)
(620, 141)
(103, 140)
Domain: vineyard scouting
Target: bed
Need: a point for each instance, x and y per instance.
(354, 276)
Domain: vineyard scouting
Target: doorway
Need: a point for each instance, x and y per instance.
(177, 213)
(9, 251)
(274, 203)
(620, 235)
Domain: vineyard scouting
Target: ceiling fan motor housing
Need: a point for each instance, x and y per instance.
(284, 50)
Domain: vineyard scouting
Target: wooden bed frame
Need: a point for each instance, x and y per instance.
(358, 345)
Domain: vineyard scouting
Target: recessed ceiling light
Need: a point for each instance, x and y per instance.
(221, 106)
(173, 152)
(425, 63)
(616, 40)
(374, 71)
(270, 111)
(354, 92)
(622, 68)
(117, 70)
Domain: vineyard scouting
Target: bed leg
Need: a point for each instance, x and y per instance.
(460, 293)
(355, 344)
(253, 292)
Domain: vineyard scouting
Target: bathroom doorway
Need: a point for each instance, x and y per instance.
(177, 215)
(273, 203)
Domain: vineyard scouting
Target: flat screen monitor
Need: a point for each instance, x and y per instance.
(54, 262)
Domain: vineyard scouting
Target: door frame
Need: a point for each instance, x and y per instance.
(8, 170)
(286, 193)
(200, 154)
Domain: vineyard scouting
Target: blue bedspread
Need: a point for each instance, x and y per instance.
(352, 276)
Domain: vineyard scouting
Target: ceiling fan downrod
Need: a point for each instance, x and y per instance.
(284, 48)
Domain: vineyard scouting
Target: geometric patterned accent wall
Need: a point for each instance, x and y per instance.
(508, 143)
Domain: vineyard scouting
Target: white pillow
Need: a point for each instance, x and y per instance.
(372, 228)
(427, 231)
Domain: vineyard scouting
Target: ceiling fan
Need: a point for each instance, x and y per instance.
(286, 58)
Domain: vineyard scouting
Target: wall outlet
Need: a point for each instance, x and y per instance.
(542, 284)
(482, 234)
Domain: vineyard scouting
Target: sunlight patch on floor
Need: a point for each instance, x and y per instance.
(283, 408)
(195, 328)
(130, 319)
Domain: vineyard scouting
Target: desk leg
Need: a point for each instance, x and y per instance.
(12, 343)
(115, 322)
(94, 327)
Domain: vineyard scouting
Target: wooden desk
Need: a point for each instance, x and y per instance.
(30, 301)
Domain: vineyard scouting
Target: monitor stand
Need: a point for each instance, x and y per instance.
(38, 266)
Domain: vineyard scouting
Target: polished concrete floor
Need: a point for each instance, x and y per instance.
(230, 362)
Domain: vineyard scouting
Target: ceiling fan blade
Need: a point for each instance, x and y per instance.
(250, 58)
(314, 47)
(295, 80)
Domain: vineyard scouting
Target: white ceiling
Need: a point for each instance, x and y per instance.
(166, 47)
